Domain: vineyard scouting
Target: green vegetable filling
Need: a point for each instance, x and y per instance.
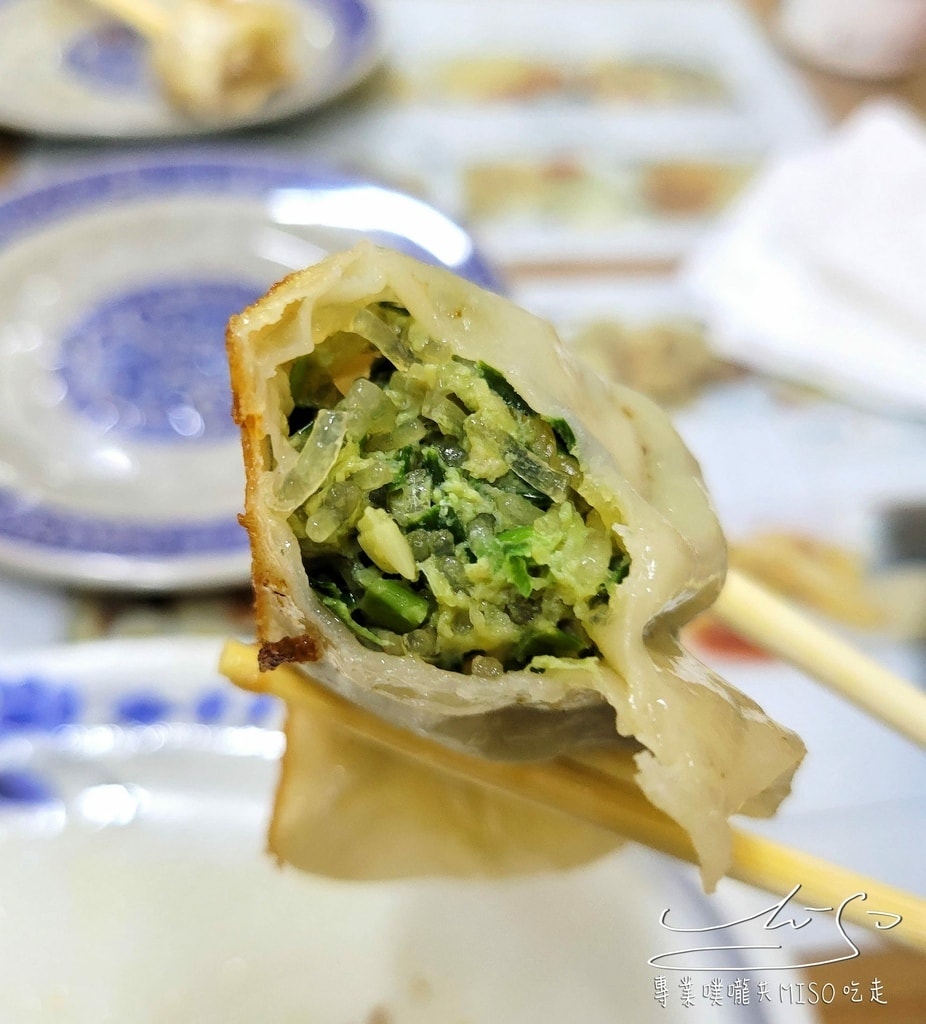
(437, 513)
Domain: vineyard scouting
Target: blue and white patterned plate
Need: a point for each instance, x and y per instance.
(119, 462)
(69, 70)
(135, 786)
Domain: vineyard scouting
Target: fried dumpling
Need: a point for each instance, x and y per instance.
(460, 528)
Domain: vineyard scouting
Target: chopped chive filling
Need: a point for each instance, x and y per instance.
(437, 513)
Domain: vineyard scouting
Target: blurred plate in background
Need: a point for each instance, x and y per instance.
(120, 465)
(135, 786)
(68, 70)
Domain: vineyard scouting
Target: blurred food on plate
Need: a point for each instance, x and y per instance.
(588, 79)
(826, 578)
(668, 360)
(579, 189)
(215, 58)
(692, 187)
(817, 574)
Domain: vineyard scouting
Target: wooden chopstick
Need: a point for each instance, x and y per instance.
(776, 868)
(780, 628)
(597, 790)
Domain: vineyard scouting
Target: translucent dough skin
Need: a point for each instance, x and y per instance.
(708, 751)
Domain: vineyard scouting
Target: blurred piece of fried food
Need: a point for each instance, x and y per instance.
(215, 58)
(670, 360)
(692, 187)
(225, 57)
(822, 576)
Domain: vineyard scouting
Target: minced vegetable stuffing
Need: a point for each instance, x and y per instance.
(438, 515)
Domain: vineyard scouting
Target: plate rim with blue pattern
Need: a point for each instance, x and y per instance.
(120, 742)
(100, 84)
(59, 541)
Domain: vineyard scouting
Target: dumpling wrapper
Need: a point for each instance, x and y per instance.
(708, 751)
(349, 808)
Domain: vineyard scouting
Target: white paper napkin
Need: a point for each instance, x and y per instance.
(818, 273)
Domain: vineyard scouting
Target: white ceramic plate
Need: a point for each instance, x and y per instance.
(68, 70)
(134, 790)
(119, 462)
